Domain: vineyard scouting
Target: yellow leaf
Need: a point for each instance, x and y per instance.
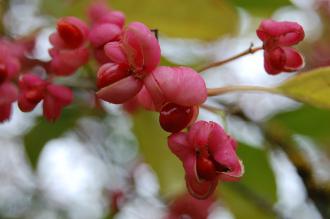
(202, 19)
(311, 87)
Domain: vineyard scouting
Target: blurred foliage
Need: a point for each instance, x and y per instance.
(3, 7)
(242, 207)
(318, 190)
(309, 121)
(312, 87)
(60, 8)
(166, 62)
(153, 146)
(44, 131)
(258, 177)
(261, 7)
(257, 185)
(258, 174)
(202, 19)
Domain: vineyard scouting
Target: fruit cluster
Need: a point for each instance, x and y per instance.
(128, 58)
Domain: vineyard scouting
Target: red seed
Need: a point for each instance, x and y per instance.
(205, 168)
(70, 34)
(110, 73)
(174, 118)
(3, 73)
(34, 95)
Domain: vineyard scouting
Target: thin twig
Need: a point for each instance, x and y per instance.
(229, 89)
(248, 51)
(212, 109)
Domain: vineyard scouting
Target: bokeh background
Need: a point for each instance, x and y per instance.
(114, 163)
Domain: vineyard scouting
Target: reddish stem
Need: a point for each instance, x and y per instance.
(250, 50)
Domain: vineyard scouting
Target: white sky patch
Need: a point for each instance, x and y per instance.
(244, 21)
(142, 208)
(292, 197)
(220, 212)
(184, 51)
(146, 181)
(18, 124)
(22, 17)
(43, 44)
(308, 19)
(76, 179)
(16, 180)
(246, 132)
(304, 4)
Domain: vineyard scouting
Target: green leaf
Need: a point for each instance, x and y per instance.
(202, 19)
(3, 7)
(60, 8)
(153, 146)
(264, 7)
(258, 174)
(309, 121)
(311, 87)
(166, 62)
(242, 207)
(258, 184)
